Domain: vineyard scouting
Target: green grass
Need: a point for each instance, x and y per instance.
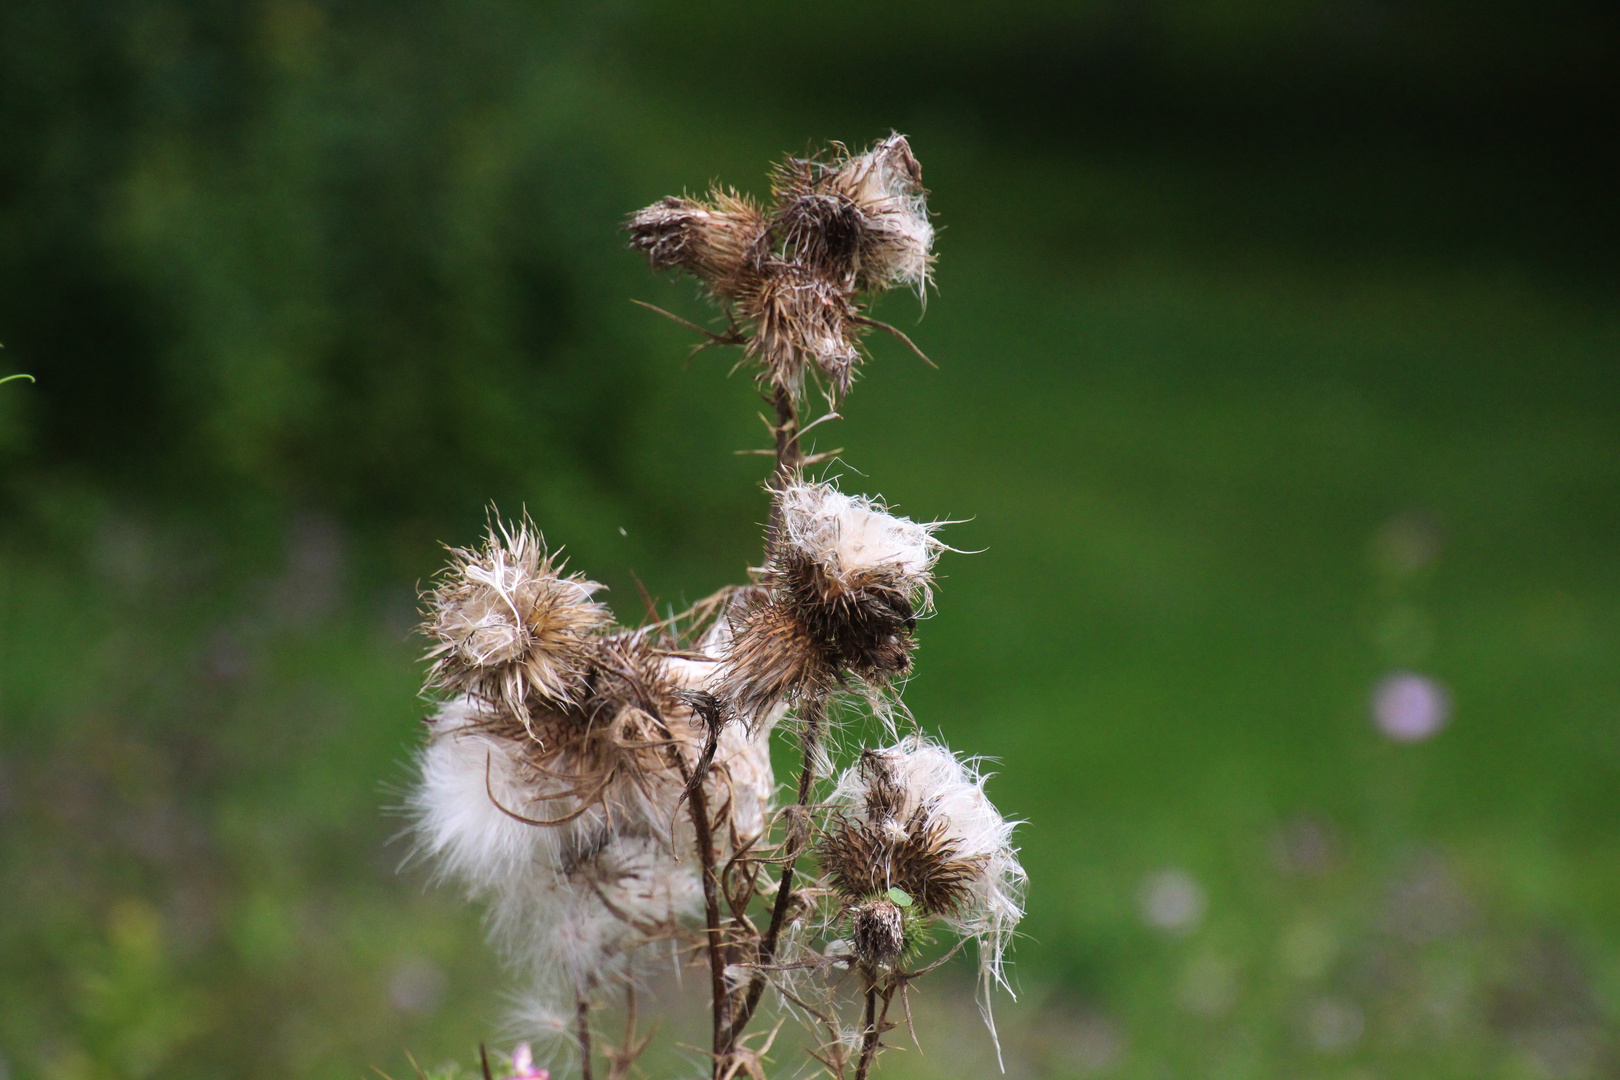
(1174, 455)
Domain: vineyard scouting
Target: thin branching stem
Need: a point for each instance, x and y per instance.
(711, 920)
(811, 739)
(869, 1043)
(789, 455)
(875, 1020)
(582, 1020)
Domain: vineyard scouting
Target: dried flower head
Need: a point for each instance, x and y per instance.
(845, 581)
(507, 626)
(859, 219)
(914, 817)
(802, 321)
(721, 241)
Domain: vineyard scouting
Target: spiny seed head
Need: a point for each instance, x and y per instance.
(854, 539)
(860, 220)
(864, 858)
(507, 626)
(897, 241)
(879, 932)
(845, 580)
(913, 815)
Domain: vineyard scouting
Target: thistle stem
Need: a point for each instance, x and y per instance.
(869, 1044)
(874, 1027)
(582, 1018)
(784, 892)
(721, 999)
(789, 455)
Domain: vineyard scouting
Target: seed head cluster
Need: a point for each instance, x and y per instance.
(793, 273)
(557, 763)
(607, 790)
(508, 627)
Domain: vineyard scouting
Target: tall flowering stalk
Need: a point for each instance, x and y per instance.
(607, 790)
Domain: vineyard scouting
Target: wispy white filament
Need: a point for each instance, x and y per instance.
(852, 534)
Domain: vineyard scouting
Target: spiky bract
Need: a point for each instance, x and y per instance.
(507, 626)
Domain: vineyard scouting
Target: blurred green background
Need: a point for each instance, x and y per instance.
(1278, 348)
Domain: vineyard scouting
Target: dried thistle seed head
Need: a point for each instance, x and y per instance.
(861, 220)
(896, 240)
(610, 752)
(507, 626)
(879, 932)
(956, 859)
(801, 321)
(818, 223)
(576, 900)
(863, 858)
(773, 659)
(720, 241)
(845, 580)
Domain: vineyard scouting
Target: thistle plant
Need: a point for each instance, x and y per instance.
(607, 790)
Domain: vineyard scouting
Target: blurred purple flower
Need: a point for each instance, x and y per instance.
(1410, 707)
(523, 1065)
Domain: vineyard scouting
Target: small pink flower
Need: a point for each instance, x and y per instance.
(523, 1065)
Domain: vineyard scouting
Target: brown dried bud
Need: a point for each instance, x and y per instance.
(860, 220)
(802, 319)
(880, 932)
(720, 242)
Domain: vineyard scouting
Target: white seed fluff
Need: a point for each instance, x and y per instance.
(571, 904)
(898, 246)
(849, 535)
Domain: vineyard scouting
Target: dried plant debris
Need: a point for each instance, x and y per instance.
(607, 791)
(561, 810)
(838, 226)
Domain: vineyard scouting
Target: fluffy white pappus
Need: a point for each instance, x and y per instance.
(949, 792)
(849, 535)
(583, 926)
(570, 903)
(742, 774)
(886, 183)
(458, 824)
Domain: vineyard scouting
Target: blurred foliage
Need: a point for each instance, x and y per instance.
(1278, 353)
